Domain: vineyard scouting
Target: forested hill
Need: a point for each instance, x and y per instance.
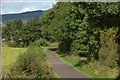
(22, 16)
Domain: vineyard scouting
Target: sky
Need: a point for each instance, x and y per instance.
(19, 6)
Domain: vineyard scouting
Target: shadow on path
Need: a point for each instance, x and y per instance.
(52, 49)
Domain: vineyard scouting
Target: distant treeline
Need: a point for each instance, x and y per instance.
(25, 16)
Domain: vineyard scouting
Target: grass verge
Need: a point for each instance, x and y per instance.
(69, 60)
(72, 62)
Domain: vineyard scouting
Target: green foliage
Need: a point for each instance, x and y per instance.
(11, 32)
(64, 47)
(73, 27)
(119, 62)
(107, 63)
(108, 54)
(40, 42)
(11, 29)
(45, 22)
(85, 29)
(76, 27)
(31, 63)
(17, 34)
(30, 32)
(107, 72)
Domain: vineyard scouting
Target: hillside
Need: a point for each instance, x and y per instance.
(23, 16)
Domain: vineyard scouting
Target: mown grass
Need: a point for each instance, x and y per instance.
(9, 56)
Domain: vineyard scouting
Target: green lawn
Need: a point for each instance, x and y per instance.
(9, 55)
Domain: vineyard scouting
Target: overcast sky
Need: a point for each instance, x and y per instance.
(19, 6)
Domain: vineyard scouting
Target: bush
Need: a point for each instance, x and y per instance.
(118, 78)
(4, 44)
(108, 54)
(14, 44)
(102, 71)
(40, 42)
(32, 63)
(107, 63)
(64, 47)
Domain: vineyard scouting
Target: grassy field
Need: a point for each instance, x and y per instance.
(9, 55)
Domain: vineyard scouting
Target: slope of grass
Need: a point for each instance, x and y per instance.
(9, 55)
(72, 62)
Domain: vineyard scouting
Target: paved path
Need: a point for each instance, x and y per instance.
(63, 70)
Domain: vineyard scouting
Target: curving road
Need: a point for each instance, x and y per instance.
(64, 71)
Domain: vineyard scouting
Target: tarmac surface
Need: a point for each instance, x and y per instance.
(63, 70)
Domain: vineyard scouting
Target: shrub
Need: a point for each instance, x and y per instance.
(32, 63)
(102, 71)
(40, 42)
(118, 78)
(86, 44)
(108, 55)
(4, 44)
(64, 47)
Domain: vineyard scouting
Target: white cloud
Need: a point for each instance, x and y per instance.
(28, 9)
(11, 12)
(25, 9)
(19, 7)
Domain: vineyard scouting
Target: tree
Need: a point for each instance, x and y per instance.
(30, 32)
(19, 34)
(76, 26)
(11, 31)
